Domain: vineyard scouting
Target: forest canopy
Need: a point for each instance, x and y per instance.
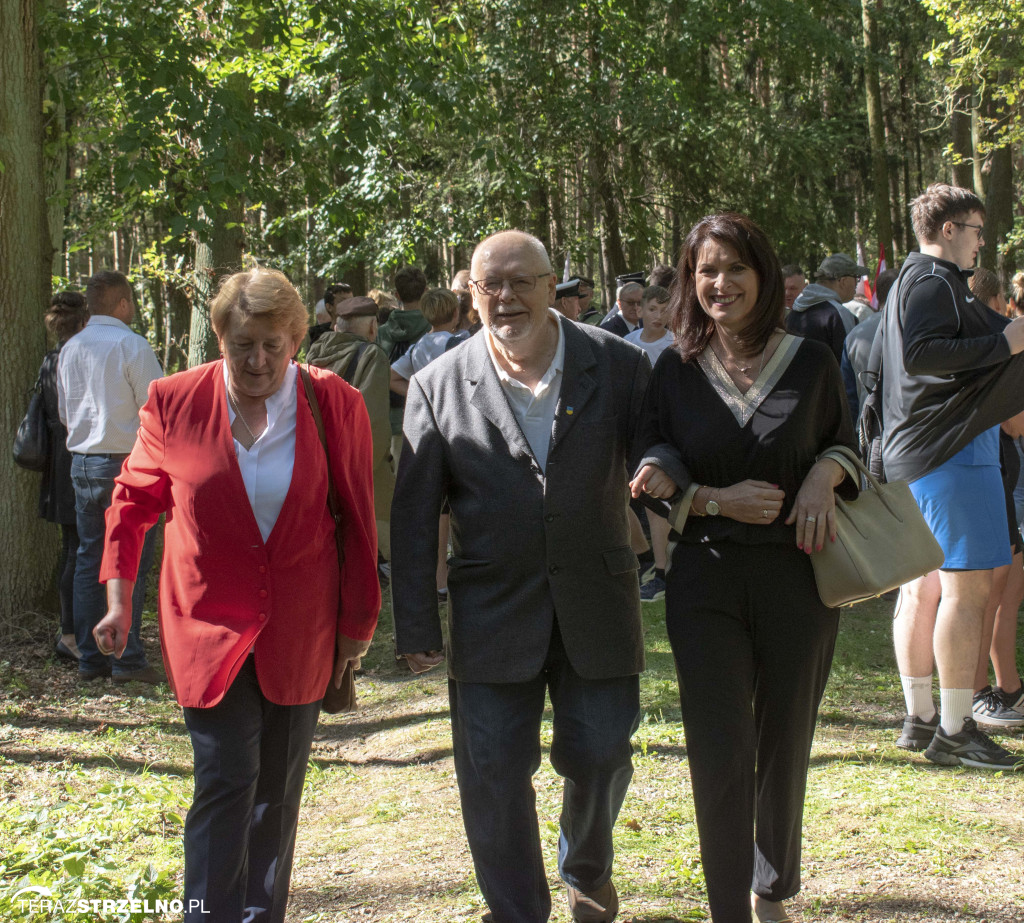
(340, 139)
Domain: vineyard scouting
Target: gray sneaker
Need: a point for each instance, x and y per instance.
(1014, 700)
(971, 747)
(917, 733)
(990, 707)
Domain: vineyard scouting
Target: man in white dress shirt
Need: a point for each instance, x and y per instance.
(103, 379)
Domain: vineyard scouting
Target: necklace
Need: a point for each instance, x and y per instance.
(745, 369)
(238, 413)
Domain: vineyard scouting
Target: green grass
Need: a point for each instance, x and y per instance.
(93, 790)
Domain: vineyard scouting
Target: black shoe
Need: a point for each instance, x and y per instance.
(970, 747)
(88, 676)
(653, 590)
(917, 733)
(145, 675)
(64, 652)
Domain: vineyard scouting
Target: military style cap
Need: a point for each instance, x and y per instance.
(570, 289)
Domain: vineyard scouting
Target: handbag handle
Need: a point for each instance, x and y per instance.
(332, 497)
(843, 454)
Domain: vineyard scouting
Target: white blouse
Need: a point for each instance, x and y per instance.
(267, 466)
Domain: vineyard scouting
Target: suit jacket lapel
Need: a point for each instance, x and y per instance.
(578, 383)
(488, 397)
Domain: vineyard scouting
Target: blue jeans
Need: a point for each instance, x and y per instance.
(93, 480)
(496, 738)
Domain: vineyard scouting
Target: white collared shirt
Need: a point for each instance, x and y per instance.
(535, 409)
(103, 377)
(267, 466)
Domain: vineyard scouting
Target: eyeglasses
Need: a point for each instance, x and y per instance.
(977, 227)
(520, 285)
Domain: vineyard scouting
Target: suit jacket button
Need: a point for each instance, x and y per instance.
(553, 569)
(263, 616)
(263, 594)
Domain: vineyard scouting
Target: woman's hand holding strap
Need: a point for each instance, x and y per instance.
(814, 511)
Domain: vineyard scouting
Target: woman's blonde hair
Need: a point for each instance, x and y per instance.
(1017, 292)
(259, 293)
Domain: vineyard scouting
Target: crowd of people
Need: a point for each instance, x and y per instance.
(510, 460)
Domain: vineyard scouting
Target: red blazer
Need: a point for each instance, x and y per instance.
(222, 590)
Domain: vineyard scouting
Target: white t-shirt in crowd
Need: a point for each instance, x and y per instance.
(424, 351)
(653, 350)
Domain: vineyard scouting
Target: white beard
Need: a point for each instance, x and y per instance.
(517, 334)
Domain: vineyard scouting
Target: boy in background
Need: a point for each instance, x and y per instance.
(654, 339)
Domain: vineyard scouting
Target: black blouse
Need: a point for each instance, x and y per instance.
(796, 409)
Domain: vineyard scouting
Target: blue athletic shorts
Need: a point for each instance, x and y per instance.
(965, 507)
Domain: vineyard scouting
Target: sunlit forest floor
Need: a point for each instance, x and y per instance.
(95, 781)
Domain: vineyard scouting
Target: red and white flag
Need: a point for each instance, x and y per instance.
(872, 290)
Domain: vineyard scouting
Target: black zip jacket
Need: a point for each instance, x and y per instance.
(947, 373)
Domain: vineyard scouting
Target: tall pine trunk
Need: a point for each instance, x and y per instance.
(876, 126)
(28, 545)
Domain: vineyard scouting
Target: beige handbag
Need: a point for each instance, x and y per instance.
(882, 540)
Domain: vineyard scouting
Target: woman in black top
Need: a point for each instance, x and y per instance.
(747, 409)
(66, 316)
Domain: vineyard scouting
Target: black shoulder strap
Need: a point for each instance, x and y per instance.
(350, 371)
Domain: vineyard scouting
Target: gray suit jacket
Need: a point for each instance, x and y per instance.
(528, 547)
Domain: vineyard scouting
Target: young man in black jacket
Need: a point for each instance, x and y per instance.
(948, 378)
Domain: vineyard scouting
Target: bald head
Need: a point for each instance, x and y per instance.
(525, 247)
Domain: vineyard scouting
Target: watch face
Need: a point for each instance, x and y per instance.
(711, 508)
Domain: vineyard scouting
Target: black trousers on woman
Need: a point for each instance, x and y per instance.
(753, 646)
(250, 766)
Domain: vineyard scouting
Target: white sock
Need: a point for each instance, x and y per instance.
(955, 705)
(917, 690)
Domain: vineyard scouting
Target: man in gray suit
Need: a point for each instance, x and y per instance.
(526, 430)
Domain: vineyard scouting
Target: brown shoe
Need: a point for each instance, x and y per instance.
(598, 906)
(145, 675)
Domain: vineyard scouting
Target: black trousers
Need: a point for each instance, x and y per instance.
(496, 735)
(250, 766)
(753, 646)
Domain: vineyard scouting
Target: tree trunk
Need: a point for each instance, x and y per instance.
(977, 141)
(999, 191)
(219, 255)
(876, 126)
(28, 545)
(963, 148)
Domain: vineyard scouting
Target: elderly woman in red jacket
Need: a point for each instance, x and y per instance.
(253, 609)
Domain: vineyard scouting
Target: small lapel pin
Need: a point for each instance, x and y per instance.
(568, 411)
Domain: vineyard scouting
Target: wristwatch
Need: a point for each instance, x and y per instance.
(711, 508)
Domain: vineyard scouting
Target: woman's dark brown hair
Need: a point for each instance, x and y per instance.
(67, 315)
(692, 327)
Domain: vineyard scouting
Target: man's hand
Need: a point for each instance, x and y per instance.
(651, 480)
(349, 651)
(111, 633)
(424, 660)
